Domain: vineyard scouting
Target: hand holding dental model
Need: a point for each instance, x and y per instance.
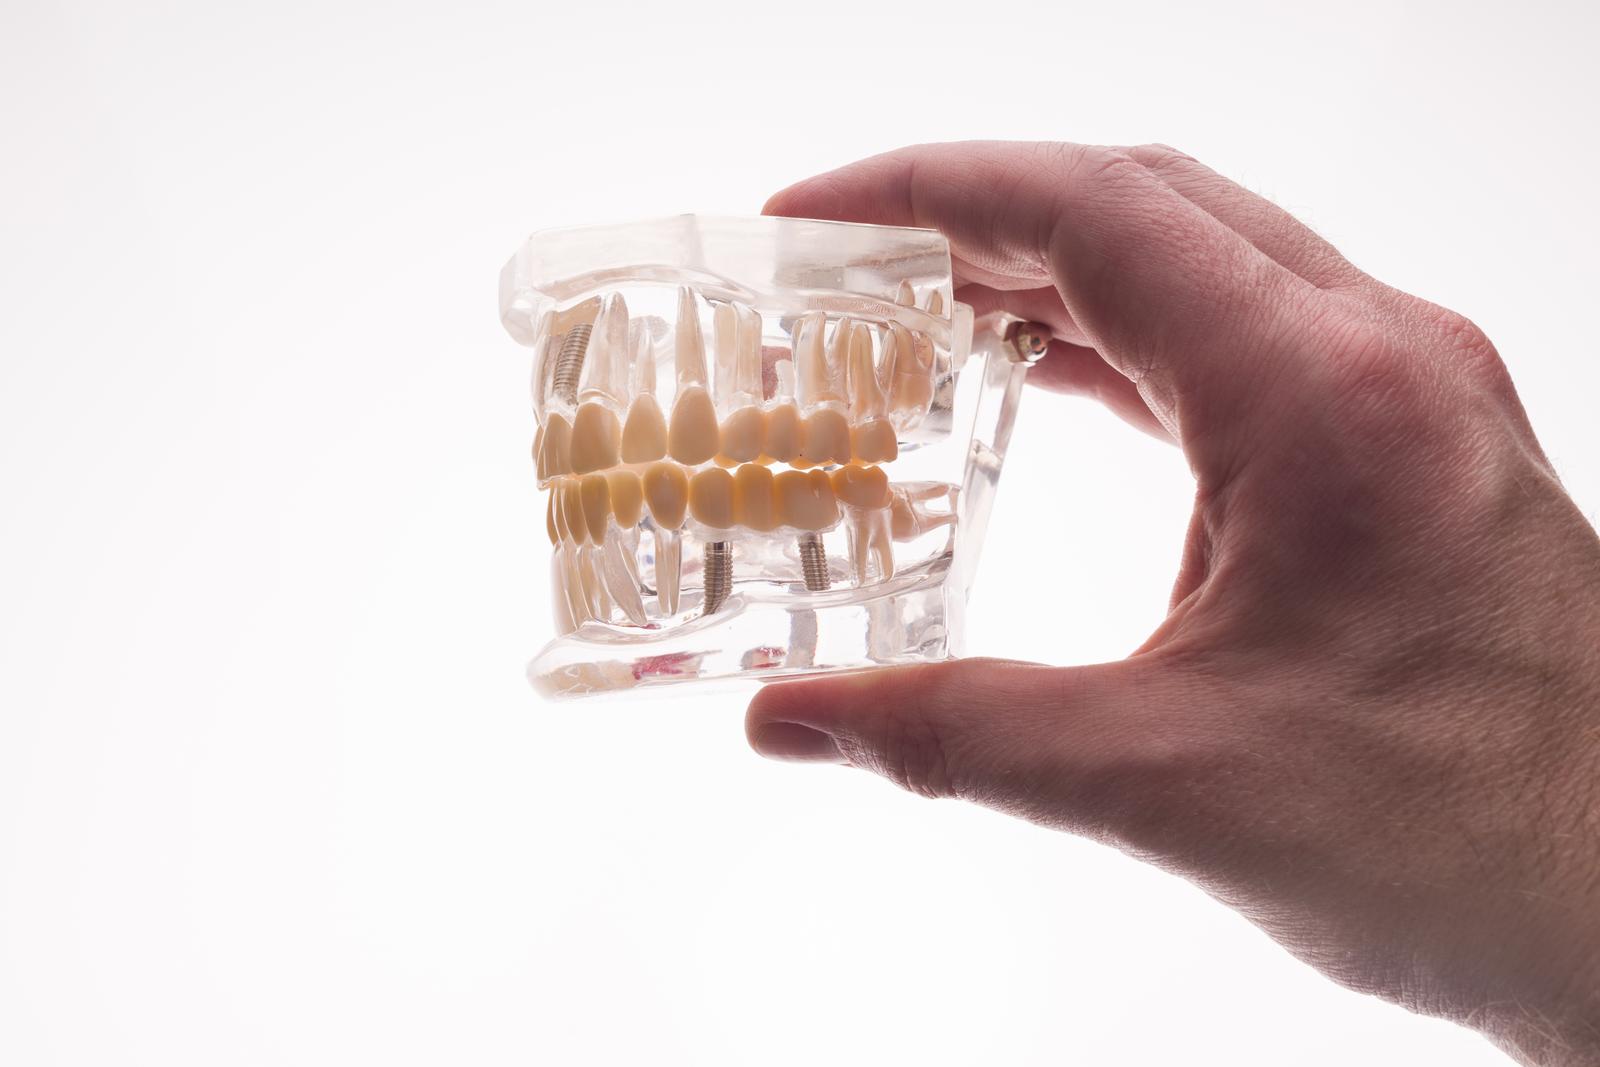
(1371, 719)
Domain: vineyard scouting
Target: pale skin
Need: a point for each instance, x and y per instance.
(1370, 720)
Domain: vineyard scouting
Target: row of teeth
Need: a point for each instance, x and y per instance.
(832, 403)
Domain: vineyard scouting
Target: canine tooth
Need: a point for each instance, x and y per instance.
(555, 448)
(572, 510)
(666, 491)
(689, 351)
(621, 575)
(861, 487)
(743, 434)
(936, 303)
(669, 569)
(627, 497)
(596, 436)
(605, 365)
(711, 498)
(867, 535)
(644, 435)
(783, 433)
(595, 495)
(905, 297)
(825, 437)
(693, 436)
(805, 500)
(754, 501)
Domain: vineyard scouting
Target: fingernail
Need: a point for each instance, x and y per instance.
(791, 741)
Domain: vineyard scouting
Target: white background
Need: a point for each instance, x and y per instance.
(272, 787)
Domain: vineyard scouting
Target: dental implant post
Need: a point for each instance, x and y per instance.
(569, 362)
(813, 562)
(717, 578)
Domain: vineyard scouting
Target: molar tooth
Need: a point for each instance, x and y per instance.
(572, 510)
(825, 437)
(754, 500)
(666, 491)
(627, 497)
(861, 487)
(596, 436)
(711, 498)
(805, 500)
(693, 435)
(595, 495)
(555, 447)
(743, 434)
(783, 433)
(621, 574)
(689, 351)
(911, 376)
(669, 569)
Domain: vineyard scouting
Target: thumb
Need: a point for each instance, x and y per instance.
(1064, 746)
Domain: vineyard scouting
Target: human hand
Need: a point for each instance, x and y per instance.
(1371, 720)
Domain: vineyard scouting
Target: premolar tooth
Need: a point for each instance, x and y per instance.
(666, 492)
(555, 447)
(689, 351)
(825, 437)
(693, 435)
(711, 498)
(627, 497)
(669, 569)
(783, 433)
(621, 574)
(596, 436)
(595, 494)
(861, 487)
(805, 500)
(572, 510)
(754, 499)
(744, 434)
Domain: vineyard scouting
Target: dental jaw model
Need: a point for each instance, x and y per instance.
(769, 446)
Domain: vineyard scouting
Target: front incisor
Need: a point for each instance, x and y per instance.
(595, 437)
(693, 436)
(805, 500)
(572, 510)
(711, 498)
(666, 493)
(754, 499)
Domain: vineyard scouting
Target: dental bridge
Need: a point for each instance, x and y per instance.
(769, 445)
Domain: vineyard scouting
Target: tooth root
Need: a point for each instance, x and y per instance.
(882, 544)
(643, 372)
(689, 351)
(911, 376)
(834, 365)
(594, 590)
(815, 379)
(666, 493)
(711, 498)
(595, 493)
(906, 297)
(867, 399)
(572, 510)
(783, 433)
(805, 500)
(560, 597)
(608, 352)
(743, 434)
(644, 435)
(693, 435)
(596, 437)
(825, 437)
(725, 347)
(627, 497)
(621, 576)
(755, 503)
(747, 380)
(871, 548)
(669, 569)
(572, 586)
(555, 448)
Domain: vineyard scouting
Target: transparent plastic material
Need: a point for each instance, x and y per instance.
(769, 446)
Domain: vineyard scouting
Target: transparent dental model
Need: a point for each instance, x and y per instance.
(770, 446)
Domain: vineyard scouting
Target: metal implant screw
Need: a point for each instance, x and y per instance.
(569, 362)
(717, 577)
(814, 562)
(1029, 341)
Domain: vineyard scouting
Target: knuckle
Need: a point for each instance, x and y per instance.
(1159, 157)
(905, 743)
